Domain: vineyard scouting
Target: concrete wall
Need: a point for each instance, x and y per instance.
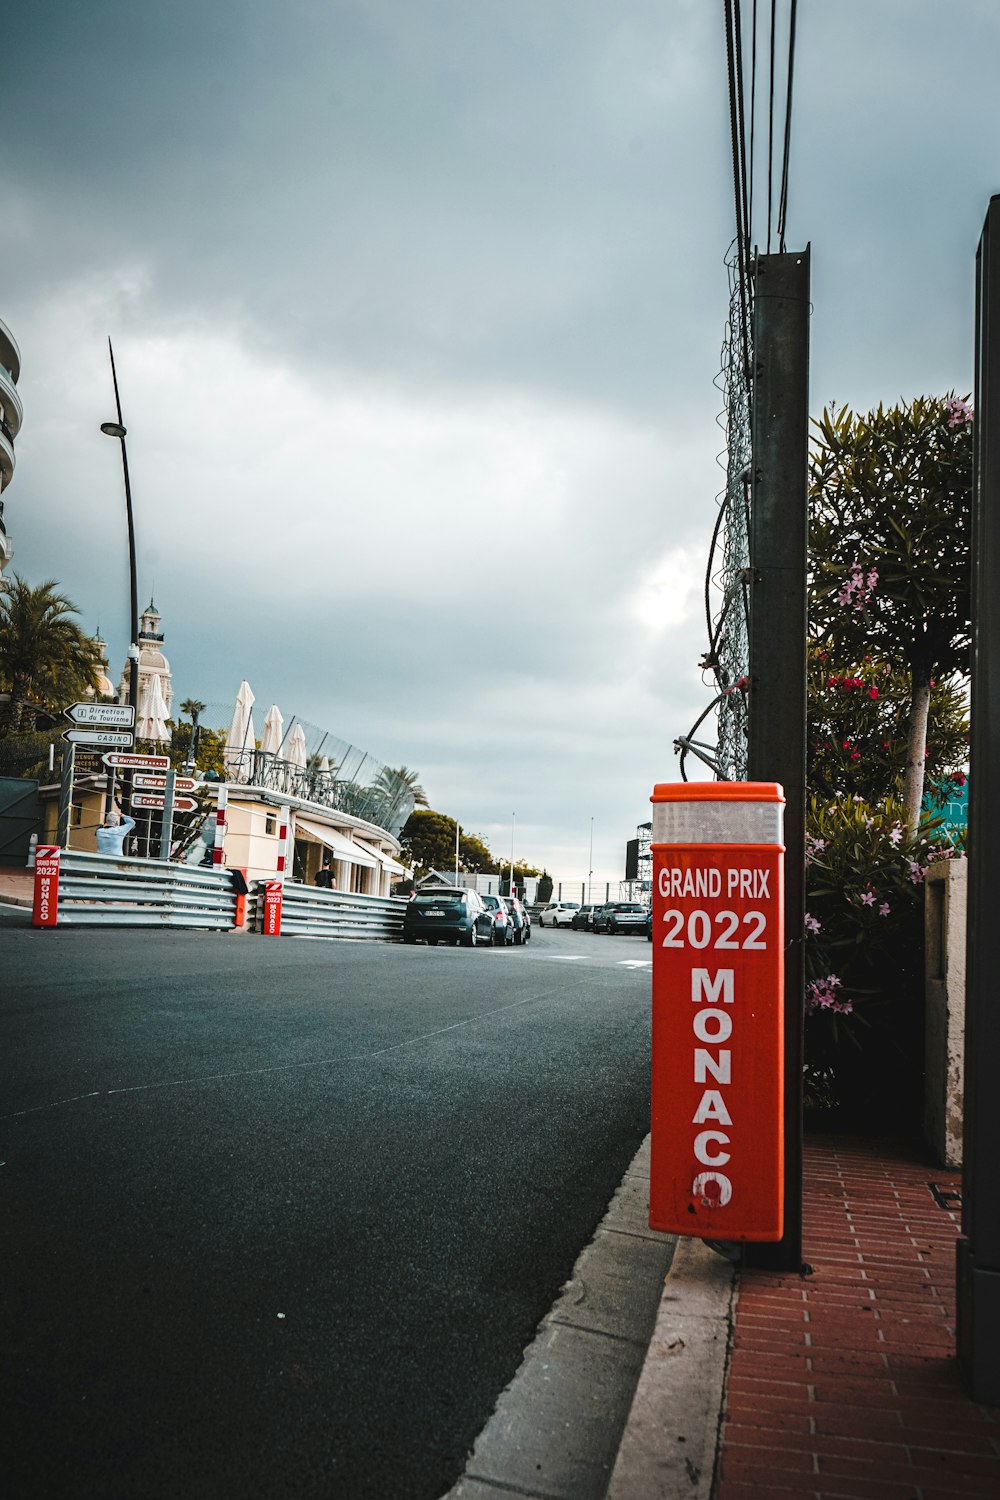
(945, 900)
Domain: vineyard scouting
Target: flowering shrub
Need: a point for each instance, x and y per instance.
(863, 944)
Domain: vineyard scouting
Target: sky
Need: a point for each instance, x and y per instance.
(417, 308)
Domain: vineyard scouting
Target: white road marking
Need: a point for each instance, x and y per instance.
(635, 963)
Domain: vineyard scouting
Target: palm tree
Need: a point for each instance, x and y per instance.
(193, 708)
(389, 780)
(45, 658)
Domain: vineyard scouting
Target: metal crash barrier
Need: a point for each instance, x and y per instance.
(312, 912)
(103, 890)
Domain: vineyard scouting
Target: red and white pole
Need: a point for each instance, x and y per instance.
(273, 889)
(282, 843)
(220, 826)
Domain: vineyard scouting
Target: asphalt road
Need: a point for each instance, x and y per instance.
(281, 1215)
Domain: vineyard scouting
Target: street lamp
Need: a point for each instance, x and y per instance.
(117, 430)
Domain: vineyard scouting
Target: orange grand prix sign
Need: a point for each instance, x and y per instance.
(718, 962)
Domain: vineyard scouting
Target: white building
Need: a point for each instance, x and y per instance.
(152, 662)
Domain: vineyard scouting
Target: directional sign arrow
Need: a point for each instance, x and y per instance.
(152, 799)
(123, 737)
(125, 762)
(157, 783)
(114, 715)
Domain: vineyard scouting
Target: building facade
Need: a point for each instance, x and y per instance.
(152, 662)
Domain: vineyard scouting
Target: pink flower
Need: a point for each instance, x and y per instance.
(916, 872)
(958, 411)
(895, 834)
(812, 925)
(883, 910)
(868, 897)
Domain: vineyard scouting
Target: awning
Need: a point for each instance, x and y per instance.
(343, 848)
(386, 861)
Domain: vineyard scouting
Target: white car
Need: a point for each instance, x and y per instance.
(558, 914)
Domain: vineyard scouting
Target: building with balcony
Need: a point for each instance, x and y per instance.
(10, 426)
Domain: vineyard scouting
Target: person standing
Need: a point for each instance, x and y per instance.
(111, 834)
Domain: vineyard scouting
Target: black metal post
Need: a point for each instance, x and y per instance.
(777, 697)
(978, 1264)
(133, 685)
(117, 429)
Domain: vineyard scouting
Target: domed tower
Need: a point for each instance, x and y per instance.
(152, 662)
(105, 687)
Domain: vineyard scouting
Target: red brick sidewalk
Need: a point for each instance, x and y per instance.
(843, 1384)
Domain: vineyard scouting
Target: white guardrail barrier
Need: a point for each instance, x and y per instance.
(313, 912)
(102, 890)
(106, 890)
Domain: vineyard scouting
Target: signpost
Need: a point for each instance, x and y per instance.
(717, 1149)
(122, 737)
(104, 715)
(46, 902)
(136, 762)
(271, 923)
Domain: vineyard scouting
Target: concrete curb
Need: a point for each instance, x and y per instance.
(555, 1431)
(671, 1438)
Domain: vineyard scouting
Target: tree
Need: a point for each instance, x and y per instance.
(46, 661)
(859, 730)
(428, 841)
(192, 707)
(389, 782)
(890, 497)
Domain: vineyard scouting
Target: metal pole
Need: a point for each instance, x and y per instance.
(777, 699)
(590, 863)
(457, 832)
(66, 797)
(133, 684)
(167, 817)
(512, 817)
(978, 1265)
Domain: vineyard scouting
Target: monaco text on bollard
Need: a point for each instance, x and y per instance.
(45, 907)
(271, 923)
(717, 1149)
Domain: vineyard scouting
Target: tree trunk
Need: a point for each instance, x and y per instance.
(916, 754)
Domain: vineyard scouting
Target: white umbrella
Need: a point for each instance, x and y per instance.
(324, 765)
(295, 750)
(240, 743)
(151, 720)
(274, 727)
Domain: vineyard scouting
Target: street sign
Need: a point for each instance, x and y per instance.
(131, 762)
(718, 952)
(46, 903)
(122, 737)
(156, 799)
(112, 715)
(157, 783)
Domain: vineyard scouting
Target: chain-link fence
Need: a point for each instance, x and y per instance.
(727, 577)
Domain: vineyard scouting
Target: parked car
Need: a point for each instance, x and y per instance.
(522, 921)
(503, 922)
(447, 916)
(583, 920)
(558, 913)
(621, 916)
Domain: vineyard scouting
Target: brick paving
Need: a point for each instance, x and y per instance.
(843, 1384)
(16, 885)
